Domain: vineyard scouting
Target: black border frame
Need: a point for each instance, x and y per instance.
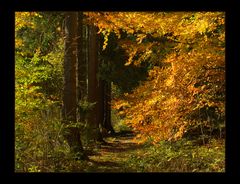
(7, 72)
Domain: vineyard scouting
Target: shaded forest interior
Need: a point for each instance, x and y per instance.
(120, 92)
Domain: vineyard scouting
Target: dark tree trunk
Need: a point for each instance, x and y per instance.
(71, 133)
(101, 104)
(81, 68)
(93, 86)
(107, 124)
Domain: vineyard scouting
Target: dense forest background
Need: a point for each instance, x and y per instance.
(152, 84)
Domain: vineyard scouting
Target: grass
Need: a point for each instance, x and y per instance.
(180, 156)
(41, 148)
(122, 155)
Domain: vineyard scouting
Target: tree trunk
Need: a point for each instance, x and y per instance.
(71, 133)
(81, 69)
(93, 87)
(101, 104)
(107, 124)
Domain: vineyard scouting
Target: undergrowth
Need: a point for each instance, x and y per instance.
(180, 156)
(40, 147)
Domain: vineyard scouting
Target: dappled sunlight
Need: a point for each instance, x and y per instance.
(120, 91)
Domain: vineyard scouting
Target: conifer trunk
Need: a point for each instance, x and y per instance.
(71, 133)
(93, 86)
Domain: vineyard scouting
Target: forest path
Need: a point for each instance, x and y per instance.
(112, 157)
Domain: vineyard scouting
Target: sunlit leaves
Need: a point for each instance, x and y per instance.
(190, 84)
(105, 33)
(37, 88)
(24, 19)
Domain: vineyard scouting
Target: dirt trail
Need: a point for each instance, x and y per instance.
(112, 156)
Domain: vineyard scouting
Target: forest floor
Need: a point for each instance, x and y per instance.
(121, 153)
(115, 154)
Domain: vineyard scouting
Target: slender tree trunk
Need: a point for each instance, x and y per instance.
(81, 69)
(107, 124)
(83, 43)
(101, 103)
(93, 86)
(71, 133)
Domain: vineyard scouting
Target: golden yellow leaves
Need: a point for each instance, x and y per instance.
(222, 37)
(18, 43)
(140, 37)
(24, 19)
(181, 130)
(121, 104)
(131, 55)
(170, 81)
(202, 26)
(105, 34)
(143, 51)
(193, 89)
(187, 84)
(199, 22)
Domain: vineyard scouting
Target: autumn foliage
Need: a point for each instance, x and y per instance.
(167, 71)
(185, 90)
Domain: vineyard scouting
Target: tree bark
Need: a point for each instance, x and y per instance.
(81, 68)
(71, 133)
(93, 87)
(101, 103)
(107, 124)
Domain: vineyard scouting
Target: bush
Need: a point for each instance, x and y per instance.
(119, 124)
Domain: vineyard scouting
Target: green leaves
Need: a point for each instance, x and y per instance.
(179, 156)
(86, 106)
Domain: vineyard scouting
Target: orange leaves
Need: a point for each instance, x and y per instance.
(121, 104)
(140, 37)
(193, 79)
(193, 89)
(131, 55)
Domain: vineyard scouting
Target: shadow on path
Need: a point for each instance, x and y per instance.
(112, 156)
